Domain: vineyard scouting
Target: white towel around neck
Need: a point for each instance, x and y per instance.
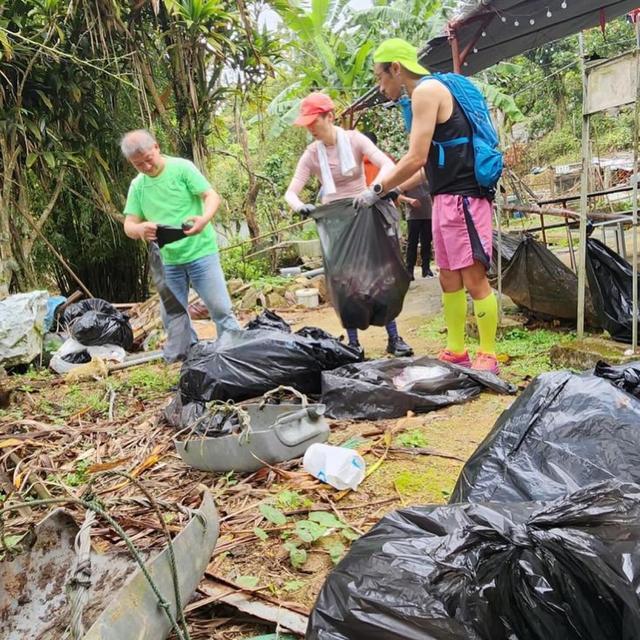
(345, 158)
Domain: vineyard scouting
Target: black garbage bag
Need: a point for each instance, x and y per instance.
(388, 388)
(95, 322)
(330, 351)
(166, 234)
(564, 570)
(268, 320)
(538, 281)
(77, 357)
(610, 280)
(626, 376)
(564, 432)
(364, 270)
(510, 243)
(177, 324)
(245, 364)
(78, 309)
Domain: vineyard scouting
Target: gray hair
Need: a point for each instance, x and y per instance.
(136, 141)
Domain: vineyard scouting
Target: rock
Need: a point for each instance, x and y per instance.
(234, 284)
(276, 301)
(250, 300)
(320, 284)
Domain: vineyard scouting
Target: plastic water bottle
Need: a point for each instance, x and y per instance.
(340, 467)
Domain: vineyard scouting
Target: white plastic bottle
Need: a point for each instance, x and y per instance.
(340, 467)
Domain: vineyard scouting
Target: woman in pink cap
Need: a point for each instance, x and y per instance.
(336, 159)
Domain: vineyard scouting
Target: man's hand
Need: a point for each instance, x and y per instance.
(413, 202)
(306, 210)
(194, 225)
(365, 199)
(147, 231)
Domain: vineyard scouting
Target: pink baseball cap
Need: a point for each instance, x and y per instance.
(312, 106)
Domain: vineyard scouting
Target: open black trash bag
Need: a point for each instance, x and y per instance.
(564, 432)
(268, 320)
(364, 270)
(95, 322)
(538, 281)
(177, 323)
(626, 376)
(564, 570)
(611, 286)
(388, 388)
(245, 364)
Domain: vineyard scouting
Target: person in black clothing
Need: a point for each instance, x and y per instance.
(418, 214)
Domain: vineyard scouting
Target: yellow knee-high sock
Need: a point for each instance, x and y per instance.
(455, 315)
(486, 311)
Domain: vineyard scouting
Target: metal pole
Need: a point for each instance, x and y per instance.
(499, 227)
(584, 191)
(634, 215)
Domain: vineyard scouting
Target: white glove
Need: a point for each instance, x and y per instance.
(365, 199)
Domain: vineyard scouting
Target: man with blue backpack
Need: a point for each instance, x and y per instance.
(452, 136)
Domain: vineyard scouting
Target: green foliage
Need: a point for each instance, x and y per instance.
(235, 265)
(414, 439)
(149, 381)
(292, 500)
(273, 515)
(79, 475)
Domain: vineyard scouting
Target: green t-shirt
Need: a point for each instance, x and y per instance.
(171, 198)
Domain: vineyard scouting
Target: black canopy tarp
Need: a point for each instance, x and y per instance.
(503, 40)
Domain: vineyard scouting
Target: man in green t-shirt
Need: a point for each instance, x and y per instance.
(171, 191)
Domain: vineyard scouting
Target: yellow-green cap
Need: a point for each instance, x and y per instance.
(399, 50)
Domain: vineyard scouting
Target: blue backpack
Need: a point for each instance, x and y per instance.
(488, 157)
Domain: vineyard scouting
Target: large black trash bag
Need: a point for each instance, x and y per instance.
(510, 243)
(388, 388)
(538, 281)
(245, 364)
(330, 351)
(564, 432)
(364, 270)
(78, 309)
(268, 320)
(95, 322)
(626, 376)
(611, 286)
(177, 323)
(564, 570)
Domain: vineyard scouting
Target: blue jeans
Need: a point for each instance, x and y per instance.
(206, 277)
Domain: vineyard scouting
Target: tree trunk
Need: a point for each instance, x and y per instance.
(249, 204)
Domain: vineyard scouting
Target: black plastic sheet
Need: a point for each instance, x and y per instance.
(610, 280)
(245, 364)
(177, 322)
(537, 280)
(563, 432)
(364, 270)
(95, 322)
(565, 570)
(379, 389)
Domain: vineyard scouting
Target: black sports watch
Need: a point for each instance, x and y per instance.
(377, 188)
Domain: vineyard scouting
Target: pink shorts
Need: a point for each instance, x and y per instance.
(461, 231)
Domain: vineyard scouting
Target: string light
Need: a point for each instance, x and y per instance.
(564, 4)
(532, 22)
(484, 34)
(516, 23)
(549, 14)
(475, 49)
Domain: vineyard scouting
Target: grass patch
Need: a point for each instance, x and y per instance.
(148, 381)
(414, 439)
(523, 352)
